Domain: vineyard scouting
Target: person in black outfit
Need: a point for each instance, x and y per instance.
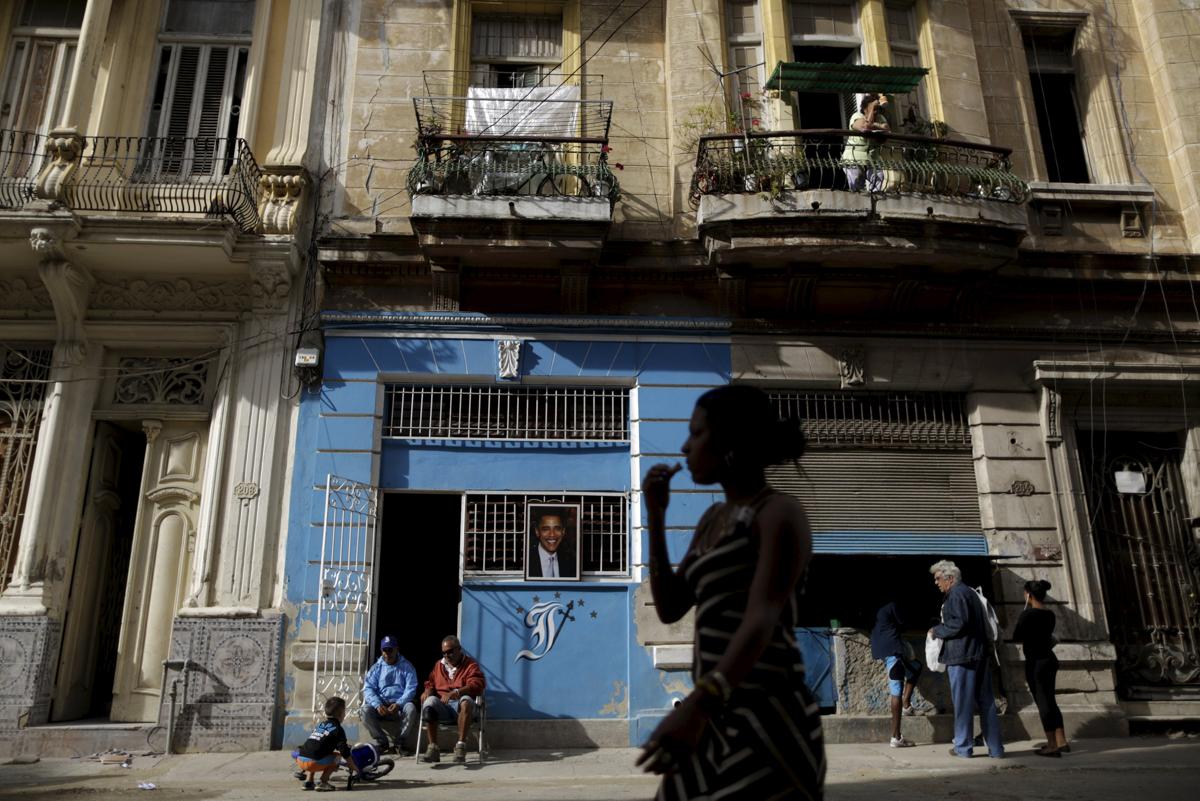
(318, 754)
(903, 671)
(1035, 632)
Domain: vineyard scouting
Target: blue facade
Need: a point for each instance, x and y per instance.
(595, 668)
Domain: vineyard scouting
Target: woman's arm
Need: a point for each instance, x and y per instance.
(671, 593)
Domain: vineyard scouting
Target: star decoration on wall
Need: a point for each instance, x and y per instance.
(581, 602)
(593, 615)
(537, 600)
(520, 610)
(558, 595)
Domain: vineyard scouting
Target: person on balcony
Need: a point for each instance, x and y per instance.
(858, 155)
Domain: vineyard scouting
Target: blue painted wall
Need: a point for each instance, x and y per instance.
(596, 669)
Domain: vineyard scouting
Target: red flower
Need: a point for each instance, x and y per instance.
(746, 95)
(756, 122)
(605, 149)
(619, 165)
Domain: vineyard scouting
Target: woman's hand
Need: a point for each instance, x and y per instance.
(676, 738)
(656, 487)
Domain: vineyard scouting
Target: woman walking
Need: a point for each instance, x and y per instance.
(1035, 632)
(751, 728)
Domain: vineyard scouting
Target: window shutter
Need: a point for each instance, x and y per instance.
(195, 106)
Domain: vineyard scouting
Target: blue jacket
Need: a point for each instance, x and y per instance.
(962, 627)
(390, 684)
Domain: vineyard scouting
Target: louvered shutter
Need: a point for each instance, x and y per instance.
(196, 106)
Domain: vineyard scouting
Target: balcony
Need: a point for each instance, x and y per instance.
(501, 173)
(137, 176)
(853, 199)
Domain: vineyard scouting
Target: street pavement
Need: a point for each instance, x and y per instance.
(1140, 768)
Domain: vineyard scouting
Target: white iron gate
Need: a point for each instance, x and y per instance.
(347, 592)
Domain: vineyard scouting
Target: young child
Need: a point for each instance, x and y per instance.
(319, 752)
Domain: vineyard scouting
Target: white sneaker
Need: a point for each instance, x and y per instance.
(901, 742)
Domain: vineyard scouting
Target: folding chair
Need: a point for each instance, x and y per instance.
(478, 722)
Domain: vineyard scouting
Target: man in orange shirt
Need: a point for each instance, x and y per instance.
(450, 694)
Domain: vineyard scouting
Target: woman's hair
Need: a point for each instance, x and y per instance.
(745, 425)
(1037, 588)
(333, 706)
(946, 568)
(866, 100)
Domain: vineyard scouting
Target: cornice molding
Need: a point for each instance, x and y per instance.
(335, 319)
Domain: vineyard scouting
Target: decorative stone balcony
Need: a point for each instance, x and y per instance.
(503, 173)
(132, 176)
(841, 198)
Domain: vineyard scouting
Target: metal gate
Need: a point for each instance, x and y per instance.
(347, 592)
(1149, 559)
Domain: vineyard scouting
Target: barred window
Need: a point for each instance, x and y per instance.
(496, 526)
(922, 420)
(454, 411)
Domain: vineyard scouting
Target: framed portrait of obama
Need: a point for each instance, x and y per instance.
(552, 541)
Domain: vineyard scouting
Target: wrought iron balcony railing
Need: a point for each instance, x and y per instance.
(214, 177)
(529, 166)
(773, 162)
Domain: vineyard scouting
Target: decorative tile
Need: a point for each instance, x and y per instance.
(28, 659)
(228, 693)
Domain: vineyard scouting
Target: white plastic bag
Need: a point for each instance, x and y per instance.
(933, 653)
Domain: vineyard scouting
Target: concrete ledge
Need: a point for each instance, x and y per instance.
(1102, 652)
(1136, 194)
(672, 657)
(1024, 725)
(817, 203)
(515, 207)
(958, 210)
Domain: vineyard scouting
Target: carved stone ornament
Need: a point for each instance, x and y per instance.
(178, 295)
(852, 367)
(70, 288)
(161, 382)
(245, 492)
(1021, 488)
(281, 199)
(508, 355)
(22, 295)
(272, 284)
(63, 149)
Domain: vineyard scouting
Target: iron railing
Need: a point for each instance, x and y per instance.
(905, 420)
(490, 166)
(214, 177)
(773, 162)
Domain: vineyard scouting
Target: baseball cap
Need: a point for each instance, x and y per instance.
(387, 642)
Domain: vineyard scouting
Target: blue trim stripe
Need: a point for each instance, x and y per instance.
(899, 543)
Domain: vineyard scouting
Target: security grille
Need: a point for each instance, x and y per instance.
(447, 411)
(23, 376)
(907, 420)
(496, 526)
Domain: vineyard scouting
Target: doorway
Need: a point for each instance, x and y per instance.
(418, 574)
(92, 625)
(1147, 552)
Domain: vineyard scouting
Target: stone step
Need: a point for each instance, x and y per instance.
(84, 738)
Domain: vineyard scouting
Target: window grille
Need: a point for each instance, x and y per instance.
(449, 411)
(496, 526)
(908, 420)
(23, 376)
(514, 51)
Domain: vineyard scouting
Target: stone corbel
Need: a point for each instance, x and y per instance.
(64, 147)
(283, 194)
(70, 288)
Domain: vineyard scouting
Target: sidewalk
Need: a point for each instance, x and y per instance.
(1149, 768)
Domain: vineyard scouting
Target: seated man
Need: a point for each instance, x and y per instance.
(388, 694)
(450, 694)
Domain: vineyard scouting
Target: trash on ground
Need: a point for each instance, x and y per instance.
(147, 786)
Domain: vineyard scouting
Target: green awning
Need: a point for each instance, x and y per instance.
(798, 76)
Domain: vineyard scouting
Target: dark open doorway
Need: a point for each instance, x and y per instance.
(92, 627)
(418, 596)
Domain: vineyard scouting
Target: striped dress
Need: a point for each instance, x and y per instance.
(767, 741)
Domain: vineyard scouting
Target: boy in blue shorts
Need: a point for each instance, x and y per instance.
(902, 672)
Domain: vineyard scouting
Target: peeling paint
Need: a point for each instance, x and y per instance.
(618, 707)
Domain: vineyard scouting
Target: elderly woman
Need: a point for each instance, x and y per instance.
(858, 154)
(750, 729)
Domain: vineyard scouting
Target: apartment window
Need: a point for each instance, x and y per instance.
(511, 51)
(41, 57)
(494, 540)
(743, 26)
(1052, 75)
(203, 52)
(824, 33)
(902, 41)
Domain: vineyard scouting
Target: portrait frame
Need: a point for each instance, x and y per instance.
(567, 550)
